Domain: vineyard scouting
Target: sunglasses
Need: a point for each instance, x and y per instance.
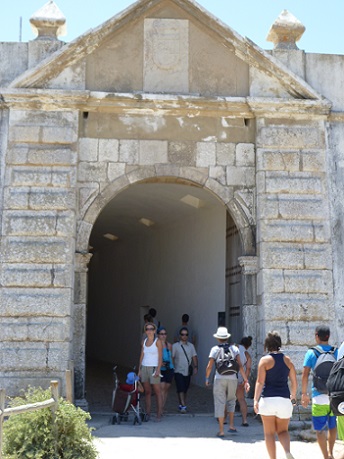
(150, 329)
(184, 334)
(162, 333)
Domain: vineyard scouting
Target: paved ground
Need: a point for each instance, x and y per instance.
(191, 434)
(187, 435)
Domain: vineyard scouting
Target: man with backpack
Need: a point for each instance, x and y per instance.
(319, 361)
(227, 364)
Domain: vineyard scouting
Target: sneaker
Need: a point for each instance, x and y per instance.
(289, 456)
(180, 407)
(183, 409)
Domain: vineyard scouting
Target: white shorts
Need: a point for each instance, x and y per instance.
(276, 406)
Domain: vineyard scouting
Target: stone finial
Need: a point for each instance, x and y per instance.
(48, 22)
(286, 31)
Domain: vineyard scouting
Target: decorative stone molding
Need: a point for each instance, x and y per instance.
(286, 31)
(249, 265)
(48, 22)
(81, 262)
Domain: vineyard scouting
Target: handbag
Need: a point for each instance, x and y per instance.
(190, 371)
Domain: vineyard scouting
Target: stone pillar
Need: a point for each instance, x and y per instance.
(294, 283)
(249, 269)
(79, 333)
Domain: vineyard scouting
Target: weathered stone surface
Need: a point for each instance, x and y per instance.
(35, 275)
(153, 151)
(31, 302)
(37, 329)
(129, 151)
(225, 154)
(296, 183)
(182, 153)
(237, 176)
(304, 137)
(245, 155)
(36, 250)
(206, 154)
(39, 223)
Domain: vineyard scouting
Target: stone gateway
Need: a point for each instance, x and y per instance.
(162, 160)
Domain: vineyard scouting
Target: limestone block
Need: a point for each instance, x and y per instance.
(282, 255)
(195, 174)
(153, 151)
(129, 151)
(317, 256)
(206, 154)
(80, 287)
(277, 160)
(304, 207)
(283, 231)
(260, 182)
(48, 198)
(39, 223)
(16, 197)
(297, 333)
(167, 170)
(17, 155)
(115, 170)
(108, 150)
(34, 126)
(35, 329)
(36, 250)
(313, 160)
(308, 281)
(322, 232)
(92, 172)
(245, 155)
(15, 355)
(241, 176)
(15, 382)
(295, 256)
(272, 280)
(137, 173)
(225, 154)
(35, 275)
(309, 308)
(52, 156)
(218, 173)
(182, 153)
(40, 176)
(83, 234)
(223, 192)
(31, 302)
(267, 206)
(86, 195)
(88, 149)
(296, 183)
(292, 137)
(166, 55)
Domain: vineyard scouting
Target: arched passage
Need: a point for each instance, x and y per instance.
(175, 260)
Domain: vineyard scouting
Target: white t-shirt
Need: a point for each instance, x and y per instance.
(213, 354)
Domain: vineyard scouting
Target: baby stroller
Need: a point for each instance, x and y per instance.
(126, 399)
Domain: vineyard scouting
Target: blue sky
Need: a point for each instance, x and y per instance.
(324, 20)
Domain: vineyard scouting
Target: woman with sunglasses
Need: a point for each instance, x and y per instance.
(167, 368)
(149, 369)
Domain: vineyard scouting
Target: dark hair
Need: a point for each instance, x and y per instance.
(323, 332)
(185, 318)
(152, 312)
(183, 328)
(273, 342)
(161, 329)
(148, 318)
(246, 341)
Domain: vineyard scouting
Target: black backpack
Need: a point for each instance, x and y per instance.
(225, 362)
(335, 387)
(322, 368)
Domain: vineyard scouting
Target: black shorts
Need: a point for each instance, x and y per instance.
(167, 376)
(182, 382)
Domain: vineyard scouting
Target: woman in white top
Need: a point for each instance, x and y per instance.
(149, 368)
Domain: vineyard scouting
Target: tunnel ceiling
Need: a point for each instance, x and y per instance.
(159, 205)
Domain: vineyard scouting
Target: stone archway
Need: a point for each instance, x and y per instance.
(225, 196)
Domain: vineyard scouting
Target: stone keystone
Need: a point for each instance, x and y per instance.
(286, 31)
(48, 22)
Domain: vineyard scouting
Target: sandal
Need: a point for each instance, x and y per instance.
(220, 435)
(231, 430)
(245, 424)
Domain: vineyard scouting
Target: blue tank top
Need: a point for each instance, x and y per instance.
(166, 357)
(276, 380)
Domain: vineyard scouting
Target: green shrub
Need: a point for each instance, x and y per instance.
(32, 435)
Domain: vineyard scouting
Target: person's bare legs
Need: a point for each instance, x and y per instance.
(148, 396)
(331, 438)
(164, 392)
(157, 391)
(283, 434)
(322, 442)
(240, 393)
(221, 430)
(269, 426)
